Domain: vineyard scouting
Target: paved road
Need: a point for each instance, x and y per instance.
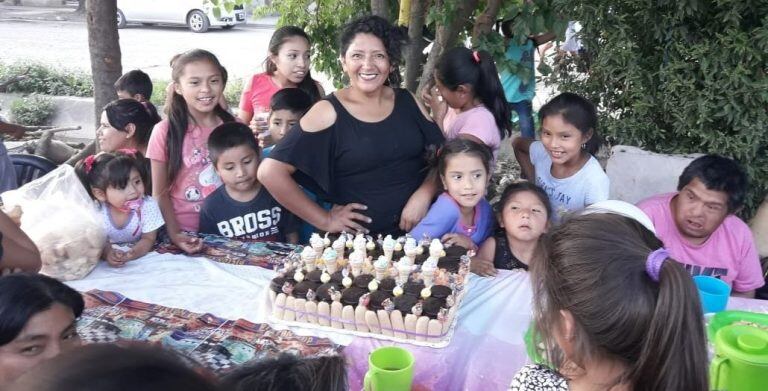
(65, 44)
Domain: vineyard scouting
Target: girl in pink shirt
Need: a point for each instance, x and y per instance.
(473, 104)
(182, 173)
(286, 66)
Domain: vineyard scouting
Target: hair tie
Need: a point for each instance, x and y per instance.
(88, 163)
(476, 56)
(128, 151)
(654, 261)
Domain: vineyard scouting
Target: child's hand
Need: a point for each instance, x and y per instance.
(265, 140)
(114, 257)
(482, 268)
(453, 239)
(432, 98)
(186, 243)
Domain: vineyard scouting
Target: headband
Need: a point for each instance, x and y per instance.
(654, 261)
(476, 56)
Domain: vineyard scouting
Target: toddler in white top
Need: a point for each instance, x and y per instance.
(131, 218)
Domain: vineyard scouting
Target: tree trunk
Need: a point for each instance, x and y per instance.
(446, 37)
(414, 56)
(104, 47)
(485, 21)
(380, 8)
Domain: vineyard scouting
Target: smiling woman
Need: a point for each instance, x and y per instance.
(37, 322)
(361, 148)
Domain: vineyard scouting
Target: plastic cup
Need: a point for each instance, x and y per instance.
(713, 292)
(390, 368)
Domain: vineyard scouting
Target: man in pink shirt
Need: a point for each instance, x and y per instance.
(698, 226)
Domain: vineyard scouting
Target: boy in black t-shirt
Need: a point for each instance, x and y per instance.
(242, 208)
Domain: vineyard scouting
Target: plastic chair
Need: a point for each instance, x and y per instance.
(30, 167)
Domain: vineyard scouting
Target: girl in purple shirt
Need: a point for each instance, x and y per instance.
(461, 215)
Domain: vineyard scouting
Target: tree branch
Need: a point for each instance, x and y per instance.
(413, 58)
(447, 36)
(380, 8)
(485, 21)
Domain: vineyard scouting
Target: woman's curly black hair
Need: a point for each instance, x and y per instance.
(392, 37)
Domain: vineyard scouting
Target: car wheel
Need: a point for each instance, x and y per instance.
(120, 19)
(228, 27)
(198, 22)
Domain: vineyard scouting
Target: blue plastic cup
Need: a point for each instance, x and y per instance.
(713, 292)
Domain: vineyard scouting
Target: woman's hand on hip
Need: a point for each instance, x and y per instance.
(344, 218)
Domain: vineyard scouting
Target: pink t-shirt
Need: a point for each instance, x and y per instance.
(196, 178)
(729, 253)
(477, 121)
(256, 96)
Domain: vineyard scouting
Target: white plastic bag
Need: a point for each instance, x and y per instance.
(62, 220)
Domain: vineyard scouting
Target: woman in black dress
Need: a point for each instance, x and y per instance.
(362, 147)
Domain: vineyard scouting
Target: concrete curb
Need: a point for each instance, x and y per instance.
(69, 111)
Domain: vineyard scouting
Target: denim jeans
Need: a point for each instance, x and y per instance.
(524, 111)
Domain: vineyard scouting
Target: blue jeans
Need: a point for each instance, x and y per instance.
(524, 111)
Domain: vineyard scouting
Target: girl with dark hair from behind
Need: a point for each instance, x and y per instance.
(289, 372)
(182, 173)
(473, 104)
(37, 322)
(614, 312)
(109, 367)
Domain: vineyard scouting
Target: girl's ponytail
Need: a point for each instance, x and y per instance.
(673, 355)
(630, 304)
(83, 169)
(491, 92)
(460, 66)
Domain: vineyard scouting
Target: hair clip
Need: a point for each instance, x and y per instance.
(88, 163)
(654, 261)
(476, 56)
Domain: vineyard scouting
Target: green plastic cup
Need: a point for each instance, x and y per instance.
(390, 368)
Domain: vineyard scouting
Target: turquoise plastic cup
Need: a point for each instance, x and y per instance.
(713, 292)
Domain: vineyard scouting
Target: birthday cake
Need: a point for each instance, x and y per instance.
(397, 289)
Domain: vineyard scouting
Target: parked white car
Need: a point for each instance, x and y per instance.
(196, 14)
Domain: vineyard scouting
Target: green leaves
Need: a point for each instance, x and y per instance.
(227, 5)
(32, 110)
(676, 77)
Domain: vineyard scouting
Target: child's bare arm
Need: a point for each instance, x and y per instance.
(521, 147)
(161, 188)
(482, 263)
(143, 246)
